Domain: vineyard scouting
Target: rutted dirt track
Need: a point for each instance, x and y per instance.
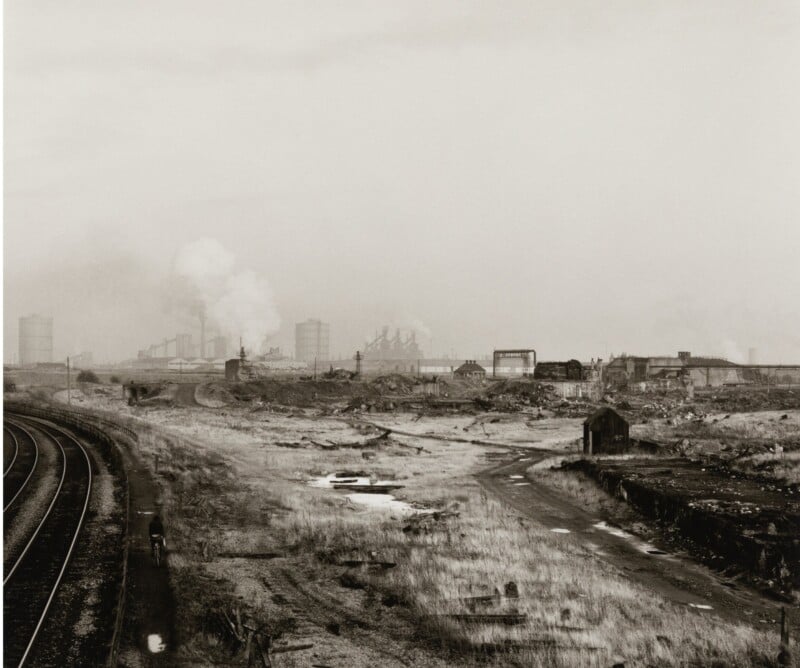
(675, 577)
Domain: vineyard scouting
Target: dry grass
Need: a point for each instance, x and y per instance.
(571, 599)
(226, 480)
(587, 493)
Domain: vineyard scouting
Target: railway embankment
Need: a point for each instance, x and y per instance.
(729, 521)
(82, 623)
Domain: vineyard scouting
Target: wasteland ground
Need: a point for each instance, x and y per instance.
(453, 575)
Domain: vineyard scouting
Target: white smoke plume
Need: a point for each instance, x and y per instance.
(415, 325)
(238, 302)
(732, 352)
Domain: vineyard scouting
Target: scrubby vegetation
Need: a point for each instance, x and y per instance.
(230, 489)
(87, 376)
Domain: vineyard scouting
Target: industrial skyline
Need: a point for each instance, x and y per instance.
(549, 172)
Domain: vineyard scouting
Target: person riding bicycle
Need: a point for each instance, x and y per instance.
(156, 531)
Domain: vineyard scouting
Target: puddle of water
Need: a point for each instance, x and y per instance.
(521, 484)
(516, 477)
(386, 503)
(378, 502)
(155, 644)
(619, 533)
(560, 530)
(700, 606)
(145, 512)
(328, 481)
(525, 459)
(638, 544)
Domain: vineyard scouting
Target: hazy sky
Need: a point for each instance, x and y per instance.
(579, 177)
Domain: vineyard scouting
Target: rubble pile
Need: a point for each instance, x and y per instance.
(655, 405)
(516, 393)
(394, 384)
(297, 392)
(731, 400)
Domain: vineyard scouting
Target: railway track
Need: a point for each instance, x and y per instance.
(19, 473)
(16, 450)
(30, 584)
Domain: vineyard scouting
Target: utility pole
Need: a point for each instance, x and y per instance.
(69, 386)
(315, 367)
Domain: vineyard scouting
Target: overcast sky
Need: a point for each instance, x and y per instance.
(579, 177)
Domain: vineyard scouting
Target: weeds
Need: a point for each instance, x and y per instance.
(232, 489)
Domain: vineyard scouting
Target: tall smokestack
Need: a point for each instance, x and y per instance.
(203, 332)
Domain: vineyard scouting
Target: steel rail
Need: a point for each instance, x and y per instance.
(44, 518)
(33, 467)
(16, 450)
(72, 543)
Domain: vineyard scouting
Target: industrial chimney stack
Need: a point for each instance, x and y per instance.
(202, 332)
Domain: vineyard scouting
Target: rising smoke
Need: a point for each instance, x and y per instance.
(237, 302)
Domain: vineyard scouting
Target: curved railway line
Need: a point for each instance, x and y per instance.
(26, 458)
(16, 451)
(31, 583)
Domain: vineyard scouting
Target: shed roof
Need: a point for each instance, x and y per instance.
(602, 412)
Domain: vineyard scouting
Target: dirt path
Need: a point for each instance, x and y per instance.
(148, 635)
(676, 578)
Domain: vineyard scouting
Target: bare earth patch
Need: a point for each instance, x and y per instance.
(474, 582)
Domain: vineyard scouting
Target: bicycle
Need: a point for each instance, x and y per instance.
(157, 545)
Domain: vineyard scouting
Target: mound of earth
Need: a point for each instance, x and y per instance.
(290, 392)
(525, 390)
(735, 400)
(213, 395)
(395, 384)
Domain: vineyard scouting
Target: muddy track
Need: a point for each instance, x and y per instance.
(676, 577)
(316, 607)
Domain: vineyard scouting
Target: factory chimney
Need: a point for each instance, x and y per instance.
(202, 332)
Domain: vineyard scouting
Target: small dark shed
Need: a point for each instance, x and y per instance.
(232, 369)
(605, 432)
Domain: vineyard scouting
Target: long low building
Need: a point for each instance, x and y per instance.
(698, 371)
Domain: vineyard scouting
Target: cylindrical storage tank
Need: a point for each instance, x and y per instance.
(35, 339)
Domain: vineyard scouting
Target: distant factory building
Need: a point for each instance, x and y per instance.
(183, 345)
(470, 370)
(35, 340)
(697, 371)
(312, 340)
(385, 348)
(605, 432)
(83, 361)
(569, 370)
(219, 347)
